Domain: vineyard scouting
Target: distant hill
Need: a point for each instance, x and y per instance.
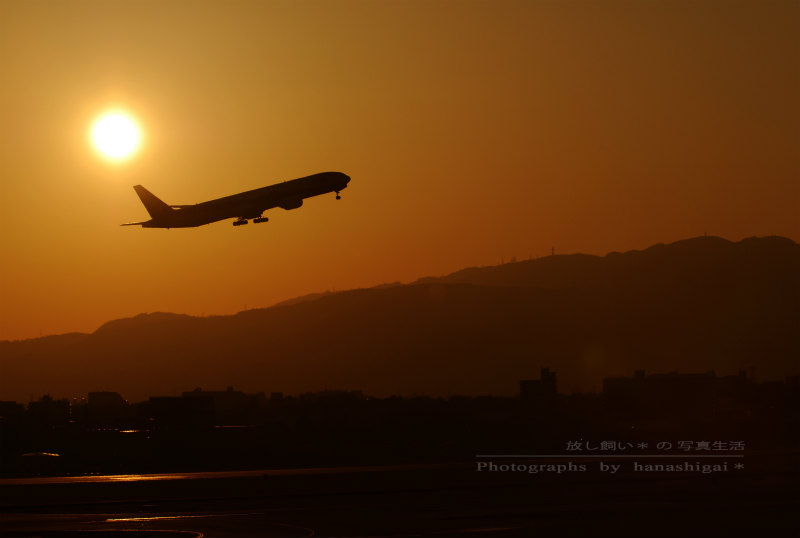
(678, 263)
(694, 305)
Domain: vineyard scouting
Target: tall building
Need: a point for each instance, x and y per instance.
(540, 393)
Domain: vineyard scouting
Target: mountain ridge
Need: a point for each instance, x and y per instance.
(700, 304)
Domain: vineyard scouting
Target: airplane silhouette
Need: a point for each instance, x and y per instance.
(243, 206)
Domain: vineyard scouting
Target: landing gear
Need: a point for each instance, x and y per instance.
(239, 222)
(337, 196)
(260, 219)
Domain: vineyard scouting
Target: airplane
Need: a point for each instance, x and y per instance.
(243, 206)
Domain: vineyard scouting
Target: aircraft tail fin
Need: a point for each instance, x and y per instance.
(152, 203)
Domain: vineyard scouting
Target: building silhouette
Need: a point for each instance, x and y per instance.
(106, 407)
(539, 393)
(46, 410)
(699, 396)
(230, 405)
(11, 411)
(180, 412)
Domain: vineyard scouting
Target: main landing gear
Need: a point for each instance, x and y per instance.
(242, 221)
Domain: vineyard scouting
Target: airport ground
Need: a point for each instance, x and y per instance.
(444, 499)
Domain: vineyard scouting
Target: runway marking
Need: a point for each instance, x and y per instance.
(489, 529)
(309, 531)
(186, 516)
(265, 473)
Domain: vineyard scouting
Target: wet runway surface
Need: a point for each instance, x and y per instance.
(393, 501)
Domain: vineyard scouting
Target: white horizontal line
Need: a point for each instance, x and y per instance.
(609, 455)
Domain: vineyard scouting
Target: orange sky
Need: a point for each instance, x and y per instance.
(473, 131)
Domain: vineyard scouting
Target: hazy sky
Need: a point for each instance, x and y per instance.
(473, 131)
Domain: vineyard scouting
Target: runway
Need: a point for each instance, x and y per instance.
(419, 500)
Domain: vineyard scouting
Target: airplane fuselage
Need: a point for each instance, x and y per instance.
(242, 206)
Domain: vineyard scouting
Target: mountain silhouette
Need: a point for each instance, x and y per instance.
(695, 305)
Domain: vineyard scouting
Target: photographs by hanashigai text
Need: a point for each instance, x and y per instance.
(682, 451)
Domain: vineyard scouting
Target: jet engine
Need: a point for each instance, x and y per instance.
(292, 204)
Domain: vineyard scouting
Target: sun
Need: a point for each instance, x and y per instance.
(116, 135)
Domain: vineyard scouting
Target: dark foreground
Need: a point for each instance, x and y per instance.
(426, 500)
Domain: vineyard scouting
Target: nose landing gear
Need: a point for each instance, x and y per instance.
(337, 196)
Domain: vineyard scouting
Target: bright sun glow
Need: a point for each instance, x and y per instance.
(115, 135)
